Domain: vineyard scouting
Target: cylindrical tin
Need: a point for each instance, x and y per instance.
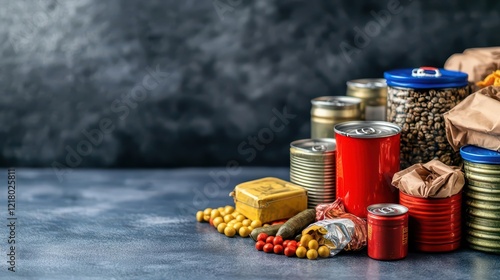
(416, 100)
(312, 166)
(367, 158)
(387, 231)
(373, 92)
(482, 198)
(327, 111)
(435, 223)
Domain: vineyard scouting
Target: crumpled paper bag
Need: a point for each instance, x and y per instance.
(433, 179)
(476, 62)
(475, 120)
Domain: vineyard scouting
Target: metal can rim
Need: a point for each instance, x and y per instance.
(372, 83)
(360, 124)
(324, 101)
(324, 140)
(402, 208)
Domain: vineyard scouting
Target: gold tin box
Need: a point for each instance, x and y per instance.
(269, 199)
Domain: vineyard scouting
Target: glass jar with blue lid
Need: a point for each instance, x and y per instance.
(417, 98)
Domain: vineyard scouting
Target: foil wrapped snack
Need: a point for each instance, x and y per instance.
(336, 210)
(333, 233)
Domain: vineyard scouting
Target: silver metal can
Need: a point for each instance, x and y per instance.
(327, 111)
(312, 166)
(373, 93)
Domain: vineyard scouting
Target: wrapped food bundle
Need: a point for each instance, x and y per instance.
(476, 62)
(475, 121)
(334, 212)
(433, 179)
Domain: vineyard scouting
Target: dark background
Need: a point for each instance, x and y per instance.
(65, 66)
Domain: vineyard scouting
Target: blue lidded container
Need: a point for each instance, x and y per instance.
(425, 78)
(417, 98)
(476, 154)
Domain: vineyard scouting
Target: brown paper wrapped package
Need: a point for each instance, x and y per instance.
(475, 120)
(433, 179)
(476, 62)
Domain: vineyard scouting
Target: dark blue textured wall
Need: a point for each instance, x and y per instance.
(186, 83)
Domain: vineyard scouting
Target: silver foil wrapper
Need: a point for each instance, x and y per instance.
(338, 235)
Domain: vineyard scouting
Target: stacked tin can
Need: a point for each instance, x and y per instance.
(482, 170)
(327, 111)
(373, 93)
(312, 166)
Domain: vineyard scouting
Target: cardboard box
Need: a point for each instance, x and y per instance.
(269, 199)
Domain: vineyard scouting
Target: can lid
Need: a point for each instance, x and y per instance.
(367, 83)
(479, 155)
(367, 129)
(387, 209)
(425, 77)
(321, 145)
(336, 101)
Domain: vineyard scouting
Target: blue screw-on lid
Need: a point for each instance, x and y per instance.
(479, 155)
(425, 77)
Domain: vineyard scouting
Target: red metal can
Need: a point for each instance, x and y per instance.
(387, 231)
(367, 158)
(435, 222)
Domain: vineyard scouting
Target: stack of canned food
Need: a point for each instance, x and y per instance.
(359, 141)
(482, 169)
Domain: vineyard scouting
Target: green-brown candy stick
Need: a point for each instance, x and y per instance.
(296, 224)
(270, 230)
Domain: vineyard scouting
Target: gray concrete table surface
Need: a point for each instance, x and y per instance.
(140, 224)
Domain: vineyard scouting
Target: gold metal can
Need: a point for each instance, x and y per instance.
(327, 111)
(482, 170)
(483, 224)
(373, 93)
(312, 166)
(485, 245)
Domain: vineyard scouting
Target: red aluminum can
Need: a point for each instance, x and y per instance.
(367, 158)
(387, 231)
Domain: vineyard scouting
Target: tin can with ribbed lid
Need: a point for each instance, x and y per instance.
(387, 231)
(327, 111)
(312, 166)
(482, 198)
(367, 158)
(373, 93)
